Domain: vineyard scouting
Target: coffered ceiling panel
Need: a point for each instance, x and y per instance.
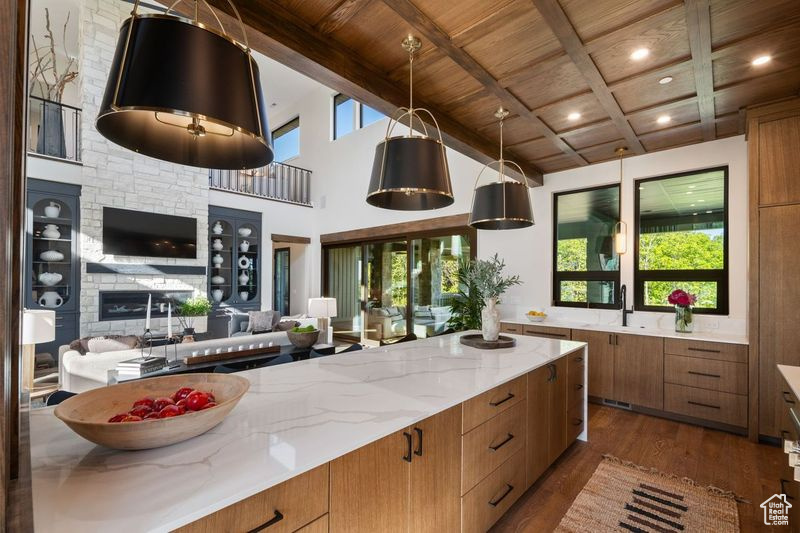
(542, 60)
(663, 34)
(645, 90)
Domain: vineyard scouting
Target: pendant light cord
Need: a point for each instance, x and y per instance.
(502, 162)
(411, 91)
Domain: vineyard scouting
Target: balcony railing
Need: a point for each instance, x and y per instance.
(276, 181)
(54, 129)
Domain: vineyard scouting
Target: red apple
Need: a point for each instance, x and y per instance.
(160, 403)
(181, 403)
(151, 415)
(170, 411)
(208, 405)
(196, 400)
(131, 418)
(144, 401)
(140, 410)
(118, 418)
(182, 393)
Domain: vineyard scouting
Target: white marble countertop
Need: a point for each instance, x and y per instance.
(792, 376)
(710, 336)
(295, 417)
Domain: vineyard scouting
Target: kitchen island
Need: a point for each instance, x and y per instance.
(299, 417)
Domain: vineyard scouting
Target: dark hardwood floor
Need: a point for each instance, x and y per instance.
(708, 456)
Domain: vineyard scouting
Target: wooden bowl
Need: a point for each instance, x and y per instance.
(87, 413)
(305, 339)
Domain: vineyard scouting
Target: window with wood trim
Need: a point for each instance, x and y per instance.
(286, 141)
(585, 266)
(681, 240)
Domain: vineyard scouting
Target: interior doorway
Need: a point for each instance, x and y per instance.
(281, 281)
(291, 275)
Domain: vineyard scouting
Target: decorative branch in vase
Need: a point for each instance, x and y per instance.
(49, 79)
(486, 277)
(684, 315)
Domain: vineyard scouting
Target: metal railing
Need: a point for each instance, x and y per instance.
(54, 129)
(276, 181)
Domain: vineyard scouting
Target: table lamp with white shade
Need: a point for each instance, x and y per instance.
(324, 309)
(38, 326)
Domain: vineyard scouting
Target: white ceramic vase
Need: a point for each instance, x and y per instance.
(51, 299)
(243, 278)
(217, 280)
(217, 259)
(217, 245)
(244, 295)
(216, 229)
(50, 278)
(216, 294)
(51, 232)
(490, 320)
(244, 246)
(52, 210)
(51, 255)
(245, 232)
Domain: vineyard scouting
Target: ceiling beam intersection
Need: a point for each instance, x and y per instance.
(698, 25)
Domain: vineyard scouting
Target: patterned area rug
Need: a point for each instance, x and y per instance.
(621, 496)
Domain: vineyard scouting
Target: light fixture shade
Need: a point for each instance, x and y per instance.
(38, 325)
(322, 307)
(501, 205)
(620, 238)
(181, 92)
(410, 174)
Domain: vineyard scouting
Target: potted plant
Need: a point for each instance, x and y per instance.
(51, 69)
(485, 282)
(189, 310)
(683, 302)
(465, 309)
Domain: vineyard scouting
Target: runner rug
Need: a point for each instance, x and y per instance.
(622, 496)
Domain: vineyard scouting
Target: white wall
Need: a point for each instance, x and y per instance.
(341, 176)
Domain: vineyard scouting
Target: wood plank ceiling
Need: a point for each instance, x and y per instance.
(546, 60)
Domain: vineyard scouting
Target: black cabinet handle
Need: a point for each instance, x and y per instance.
(704, 374)
(704, 404)
(578, 422)
(706, 350)
(495, 503)
(783, 488)
(578, 386)
(578, 359)
(504, 400)
(508, 439)
(271, 522)
(553, 370)
(616, 339)
(787, 397)
(418, 451)
(610, 338)
(407, 456)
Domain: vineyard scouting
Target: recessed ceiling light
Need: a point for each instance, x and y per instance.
(709, 212)
(762, 60)
(640, 53)
(663, 119)
(688, 192)
(695, 214)
(273, 104)
(692, 205)
(692, 186)
(574, 116)
(701, 200)
(665, 80)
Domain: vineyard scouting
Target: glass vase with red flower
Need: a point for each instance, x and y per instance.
(684, 314)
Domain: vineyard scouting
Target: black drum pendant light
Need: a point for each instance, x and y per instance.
(410, 173)
(186, 93)
(502, 204)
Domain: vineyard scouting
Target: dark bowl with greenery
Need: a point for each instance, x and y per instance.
(304, 337)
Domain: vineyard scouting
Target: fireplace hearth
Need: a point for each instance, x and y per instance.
(131, 305)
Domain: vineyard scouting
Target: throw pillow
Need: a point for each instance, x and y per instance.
(82, 345)
(112, 343)
(285, 325)
(260, 321)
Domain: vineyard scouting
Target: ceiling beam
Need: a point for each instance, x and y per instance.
(285, 37)
(427, 28)
(560, 25)
(698, 24)
(340, 15)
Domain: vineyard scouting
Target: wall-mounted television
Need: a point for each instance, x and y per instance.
(127, 232)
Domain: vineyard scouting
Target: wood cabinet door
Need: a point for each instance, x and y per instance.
(538, 423)
(557, 442)
(778, 164)
(601, 361)
(435, 490)
(369, 487)
(639, 370)
(779, 294)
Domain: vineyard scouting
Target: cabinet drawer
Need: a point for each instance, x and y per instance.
(481, 408)
(576, 421)
(576, 382)
(489, 445)
(290, 505)
(320, 525)
(706, 373)
(548, 331)
(508, 327)
(735, 353)
(490, 499)
(718, 406)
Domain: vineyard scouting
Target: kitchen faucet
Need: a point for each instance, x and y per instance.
(623, 296)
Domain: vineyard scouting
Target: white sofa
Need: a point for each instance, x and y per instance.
(79, 373)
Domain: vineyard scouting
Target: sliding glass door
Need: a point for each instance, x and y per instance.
(387, 289)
